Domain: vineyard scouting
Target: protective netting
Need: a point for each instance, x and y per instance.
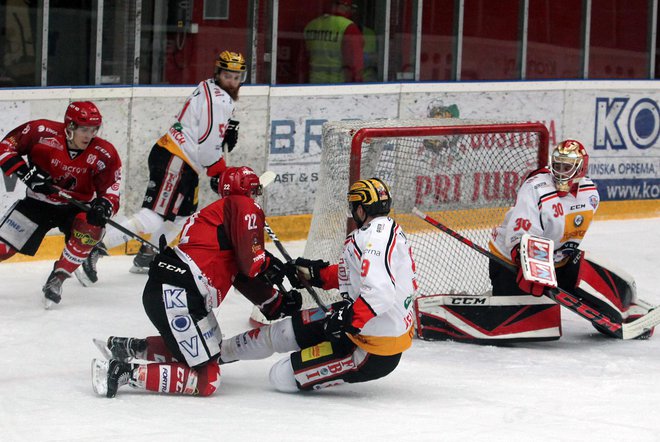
(467, 181)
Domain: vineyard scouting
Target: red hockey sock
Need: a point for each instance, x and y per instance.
(177, 377)
(6, 251)
(82, 239)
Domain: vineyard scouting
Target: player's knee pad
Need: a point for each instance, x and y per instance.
(281, 376)
(487, 319)
(208, 379)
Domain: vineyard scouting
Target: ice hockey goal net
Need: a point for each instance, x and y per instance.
(465, 173)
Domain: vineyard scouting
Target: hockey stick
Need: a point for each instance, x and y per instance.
(629, 330)
(288, 259)
(117, 226)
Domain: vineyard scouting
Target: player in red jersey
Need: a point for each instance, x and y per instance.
(52, 157)
(221, 245)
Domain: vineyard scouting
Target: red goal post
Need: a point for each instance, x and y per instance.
(463, 172)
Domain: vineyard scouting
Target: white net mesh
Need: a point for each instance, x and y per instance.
(464, 173)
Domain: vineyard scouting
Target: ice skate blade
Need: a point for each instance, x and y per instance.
(100, 376)
(139, 270)
(103, 348)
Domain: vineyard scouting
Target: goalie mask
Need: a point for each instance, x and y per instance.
(374, 197)
(568, 164)
(239, 181)
(232, 62)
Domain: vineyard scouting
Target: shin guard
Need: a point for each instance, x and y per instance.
(82, 239)
(179, 378)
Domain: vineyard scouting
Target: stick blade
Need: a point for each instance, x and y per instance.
(267, 177)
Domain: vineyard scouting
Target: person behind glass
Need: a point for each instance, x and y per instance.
(221, 245)
(334, 46)
(52, 157)
(365, 336)
(194, 143)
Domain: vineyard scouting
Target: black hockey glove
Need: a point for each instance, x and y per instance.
(37, 180)
(231, 135)
(310, 269)
(274, 273)
(99, 212)
(214, 183)
(339, 321)
(282, 305)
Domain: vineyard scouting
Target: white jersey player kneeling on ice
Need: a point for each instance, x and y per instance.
(558, 204)
(365, 335)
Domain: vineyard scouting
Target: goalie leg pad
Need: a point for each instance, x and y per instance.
(487, 319)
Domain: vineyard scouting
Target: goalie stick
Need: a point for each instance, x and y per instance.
(288, 259)
(628, 330)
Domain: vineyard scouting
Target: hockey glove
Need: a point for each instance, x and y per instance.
(37, 180)
(99, 212)
(214, 183)
(274, 272)
(526, 286)
(305, 268)
(281, 305)
(231, 135)
(339, 321)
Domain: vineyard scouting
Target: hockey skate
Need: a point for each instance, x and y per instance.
(53, 288)
(86, 273)
(142, 260)
(121, 349)
(108, 376)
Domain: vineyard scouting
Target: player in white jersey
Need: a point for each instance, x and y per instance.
(192, 144)
(365, 335)
(559, 203)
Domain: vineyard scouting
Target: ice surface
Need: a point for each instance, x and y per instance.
(582, 387)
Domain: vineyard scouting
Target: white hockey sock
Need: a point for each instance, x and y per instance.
(145, 221)
(170, 229)
(260, 343)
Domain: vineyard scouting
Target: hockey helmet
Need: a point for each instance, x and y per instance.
(232, 62)
(568, 163)
(82, 113)
(239, 181)
(373, 195)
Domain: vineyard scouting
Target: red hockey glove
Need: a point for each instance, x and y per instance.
(526, 286)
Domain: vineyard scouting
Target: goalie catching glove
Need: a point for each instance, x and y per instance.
(309, 269)
(281, 304)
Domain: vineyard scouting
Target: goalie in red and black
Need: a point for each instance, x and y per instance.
(365, 335)
(220, 246)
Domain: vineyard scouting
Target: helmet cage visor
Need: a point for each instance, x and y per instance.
(565, 167)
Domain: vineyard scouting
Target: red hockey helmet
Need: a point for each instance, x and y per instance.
(568, 163)
(239, 181)
(82, 113)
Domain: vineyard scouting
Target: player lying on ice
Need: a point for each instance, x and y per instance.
(365, 335)
(556, 203)
(49, 157)
(221, 245)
